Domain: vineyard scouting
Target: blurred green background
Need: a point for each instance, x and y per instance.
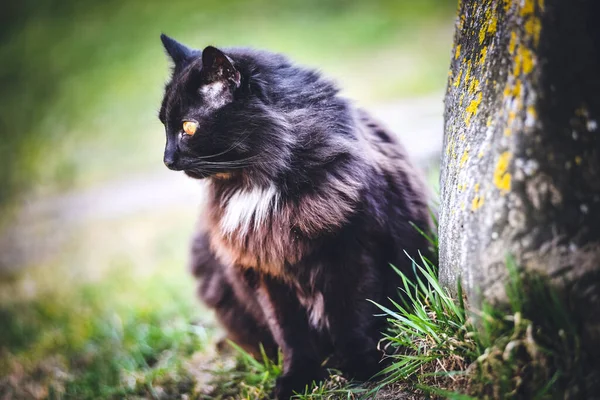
(95, 299)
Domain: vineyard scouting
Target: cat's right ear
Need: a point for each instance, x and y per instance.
(179, 53)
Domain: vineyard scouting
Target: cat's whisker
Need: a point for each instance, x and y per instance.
(233, 146)
(219, 166)
(203, 167)
(241, 162)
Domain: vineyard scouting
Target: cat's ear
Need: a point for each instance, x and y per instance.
(179, 53)
(216, 66)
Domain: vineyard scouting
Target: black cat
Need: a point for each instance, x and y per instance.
(310, 201)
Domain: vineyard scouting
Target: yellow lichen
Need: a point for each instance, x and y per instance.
(472, 109)
(527, 60)
(513, 42)
(517, 88)
(477, 202)
(476, 188)
(488, 123)
(457, 52)
(457, 80)
(529, 26)
(483, 55)
(504, 183)
(514, 90)
(533, 28)
(578, 160)
(468, 73)
(527, 8)
(507, 5)
(491, 29)
(449, 147)
(482, 33)
(464, 158)
(502, 178)
(480, 154)
(511, 117)
(531, 112)
(507, 132)
(473, 85)
(518, 61)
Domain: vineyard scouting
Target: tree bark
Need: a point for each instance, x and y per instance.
(521, 161)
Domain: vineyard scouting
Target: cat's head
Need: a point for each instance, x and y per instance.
(211, 118)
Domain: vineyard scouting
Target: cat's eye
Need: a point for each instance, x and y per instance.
(189, 127)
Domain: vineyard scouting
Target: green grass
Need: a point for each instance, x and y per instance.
(427, 325)
(243, 377)
(529, 348)
(112, 315)
(125, 336)
(533, 346)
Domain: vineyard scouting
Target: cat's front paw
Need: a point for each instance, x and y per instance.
(293, 383)
(362, 366)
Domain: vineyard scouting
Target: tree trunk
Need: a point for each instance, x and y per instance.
(521, 161)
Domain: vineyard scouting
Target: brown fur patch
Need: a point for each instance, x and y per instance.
(284, 236)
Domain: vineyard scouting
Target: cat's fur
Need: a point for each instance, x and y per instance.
(310, 201)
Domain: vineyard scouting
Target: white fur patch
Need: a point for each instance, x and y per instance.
(214, 95)
(212, 89)
(316, 312)
(315, 309)
(243, 206)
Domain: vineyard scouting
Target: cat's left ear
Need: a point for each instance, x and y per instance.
(179, 53)
(216, 66)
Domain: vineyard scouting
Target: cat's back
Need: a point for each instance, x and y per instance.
(398, 184)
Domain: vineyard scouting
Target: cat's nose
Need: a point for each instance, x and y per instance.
(170, 161)
(171, 155)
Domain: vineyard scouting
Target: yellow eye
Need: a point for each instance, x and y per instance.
(189, 127)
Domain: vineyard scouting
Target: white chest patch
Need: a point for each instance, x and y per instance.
(246, 206)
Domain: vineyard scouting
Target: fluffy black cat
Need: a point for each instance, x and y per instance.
(310, 201)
